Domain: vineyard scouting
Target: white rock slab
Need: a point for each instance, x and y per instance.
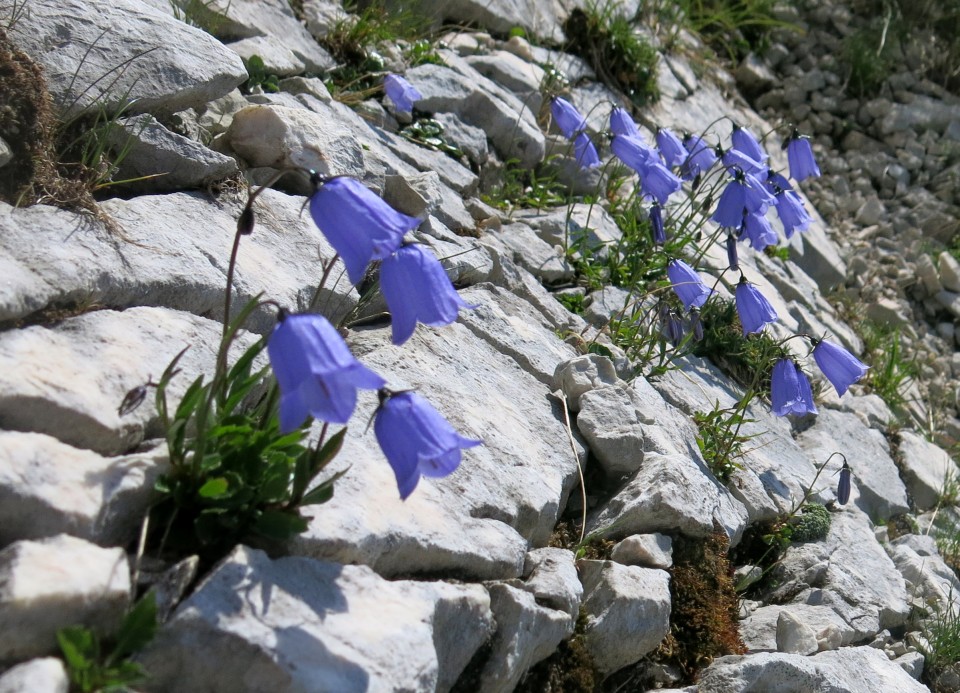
(526, 633)
(57, 582)
(478, 521)
(583, 374)
(759, 629)
(523, 246)
(928, 578)
(298, 624)
(42, 389)
(926, 469)
(648, 550)
(111, 51)
(611, 422)
(48, 488)
(795, 636)
(847, 670)
(628, 612)
(550, 574)
(44, 675)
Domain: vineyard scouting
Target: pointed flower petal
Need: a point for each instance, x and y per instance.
(688, 286)
(416, 288)
(841, 367)
(658, 183)
(670, 147)
(622, 124)
(416, 440)
(744, 141)
(316, 372)
(586, 153)
(359, 225)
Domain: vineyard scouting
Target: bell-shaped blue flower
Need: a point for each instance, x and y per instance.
(753, 308)
(673, 328)
(634, 152)
(730, 207)
(401, 93)
(359, 225)
(622, 124)
(701, 157)
(734, 159)
(744, 141)
(670, 147)
(790, 391)
(658, 183)
(416, 440)
(315, 371)
(416, 288)
(687, 285)
(586, 153)
(757, 230)
(841, 367)
(800, 158)
(656, 224)
(793, 215)
(567, 117)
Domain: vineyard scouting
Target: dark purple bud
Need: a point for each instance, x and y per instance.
(732, 252)
(133, 399)
(246, 221)
(674, 328)
(843, 486)
(656, 223)
(696, 325)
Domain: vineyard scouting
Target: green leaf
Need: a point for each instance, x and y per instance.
(328, 451)
(323, 492)
(190, 399)
(277, 524)
(138, 628)
(79, 647)
(214, 488)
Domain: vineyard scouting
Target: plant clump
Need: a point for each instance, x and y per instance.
(813, 523)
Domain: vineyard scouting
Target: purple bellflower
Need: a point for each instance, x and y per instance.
(634, 152)
(753, 308)
(416, 440)
(843, 486)
(315, 370)
(656, 224)
(701, 157)
(673, 328)
(757, 230)
(359, 225)
(567, 117)
(657, 182)
(622, 124)
(586, 153)
(841, 367)
(800, 157)
(416, 288)
(793, 215)
(744, 141)
(688, 286)
(401, 92)
(790, 391)
(735, 159)
(670, 147)
(733, 201)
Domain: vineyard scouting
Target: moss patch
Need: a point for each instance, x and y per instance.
(569, 669)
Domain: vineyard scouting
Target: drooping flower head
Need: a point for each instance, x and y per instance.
(670, 147)
(800, 158)
(401, 93)
(757, 230)
(701, 157)
(586, 153)
(622, 124)
(688, 286)
(359, 225)
(416, 288)
(744, 141)
(416, 440)
(793, 215)
(634, 152)
(315, 371)
(735, 159)
(843, 486)
(656, 224)
(567, 117)
(658, 183)
(790, 391)
(753, 308)
(841, 367)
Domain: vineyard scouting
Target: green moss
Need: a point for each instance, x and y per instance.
(813, 523)
(570, 669)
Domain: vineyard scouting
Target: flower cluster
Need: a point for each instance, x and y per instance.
(573, 126)
(316, 372)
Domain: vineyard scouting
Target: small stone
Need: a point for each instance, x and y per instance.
(648, 550)
(795, 636)
(949, 271)
(45, 675)
(583, 374)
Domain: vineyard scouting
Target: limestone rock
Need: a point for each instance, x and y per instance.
(48, 488)
(926, 469)
(647, 550)
(526, 633)
(582, 374)
(795, 636)
(45, 675)
(628, 612)
(57, 582)
(550, 574)
(611, 423)
(303, 624)
(113, 52)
